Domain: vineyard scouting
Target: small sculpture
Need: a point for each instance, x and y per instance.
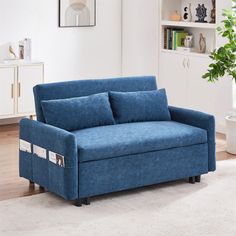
(202, 44)
(188, 41)
(175, 16)
(201, 13)
(213, 12)
(188, 16)
(12, 53)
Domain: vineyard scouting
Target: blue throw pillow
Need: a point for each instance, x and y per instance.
(140, 106)
(78, 113)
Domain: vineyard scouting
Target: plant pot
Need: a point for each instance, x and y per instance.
(231, 134)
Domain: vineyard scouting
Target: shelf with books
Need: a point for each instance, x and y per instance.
(173, 38)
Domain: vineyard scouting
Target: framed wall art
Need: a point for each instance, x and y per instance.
(77, 13)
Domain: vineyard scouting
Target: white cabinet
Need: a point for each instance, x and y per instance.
(28, 77)
(7, 88)
(172, 68)
(200, 93)
(16, 88)
(181, 75)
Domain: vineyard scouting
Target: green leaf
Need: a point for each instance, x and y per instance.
(224, 58)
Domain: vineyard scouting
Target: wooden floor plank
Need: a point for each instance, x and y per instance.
(12, 186)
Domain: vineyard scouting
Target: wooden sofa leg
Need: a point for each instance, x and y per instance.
(192, 180)
(198, 179)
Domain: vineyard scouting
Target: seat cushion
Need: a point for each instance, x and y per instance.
(133, 138)
(140, 106)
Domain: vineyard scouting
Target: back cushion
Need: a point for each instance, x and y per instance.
(140, 106)
(78, 113)
(81, 88)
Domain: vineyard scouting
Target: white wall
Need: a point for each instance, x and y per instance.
(74, 53)
(68, 53)
(140, 37)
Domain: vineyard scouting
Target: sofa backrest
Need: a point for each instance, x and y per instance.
(81, 88)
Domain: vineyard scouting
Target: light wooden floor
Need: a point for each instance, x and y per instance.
(12, 186)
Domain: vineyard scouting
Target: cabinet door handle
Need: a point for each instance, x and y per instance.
(184, 62)
(19, 89)
(12, 91)
(188, 63)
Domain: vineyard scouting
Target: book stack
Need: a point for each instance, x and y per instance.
(174, 38)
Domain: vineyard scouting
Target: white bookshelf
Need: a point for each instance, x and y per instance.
(181, 72)
(167, 7)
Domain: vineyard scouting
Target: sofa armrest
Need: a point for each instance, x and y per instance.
(200, 120)
(58, 179)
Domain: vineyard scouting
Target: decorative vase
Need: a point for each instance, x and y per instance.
(188, 16)
(175, 16)
(213, 12)
(190, 13)
(202, 44)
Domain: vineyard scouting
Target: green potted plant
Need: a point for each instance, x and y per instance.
(224, 63)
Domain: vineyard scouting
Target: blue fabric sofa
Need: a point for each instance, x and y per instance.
(116, 157)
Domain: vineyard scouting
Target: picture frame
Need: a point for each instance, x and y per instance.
(77, 13)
